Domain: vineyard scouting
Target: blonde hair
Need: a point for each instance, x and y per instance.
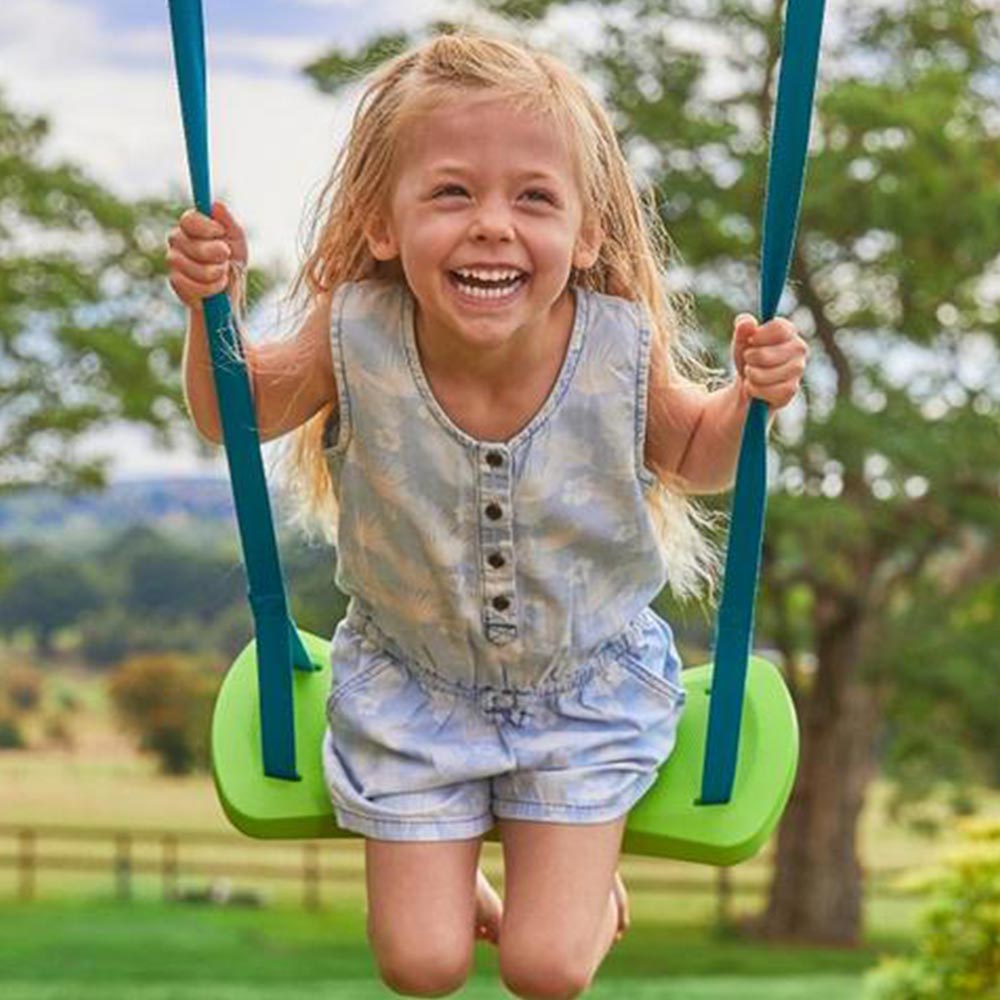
(462, 64)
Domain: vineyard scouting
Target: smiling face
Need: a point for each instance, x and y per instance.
(482, 186)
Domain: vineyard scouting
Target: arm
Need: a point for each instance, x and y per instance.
(290, 379)
(693, 433)
(696, 434)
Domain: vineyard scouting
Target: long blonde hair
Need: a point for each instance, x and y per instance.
(466, 63)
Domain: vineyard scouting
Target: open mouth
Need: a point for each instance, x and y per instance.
(490, 292)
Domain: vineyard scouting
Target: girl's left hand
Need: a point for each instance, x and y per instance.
(769, 359)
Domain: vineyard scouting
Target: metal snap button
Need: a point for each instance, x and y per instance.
(494, 511)
(494, 458)
(501, 603)
(495, 560)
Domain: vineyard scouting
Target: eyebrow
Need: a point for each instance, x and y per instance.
(459, 168)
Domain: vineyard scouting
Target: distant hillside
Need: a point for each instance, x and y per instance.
(184, 505)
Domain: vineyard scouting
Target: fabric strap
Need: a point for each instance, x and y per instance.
(279, 646)
(786, 171)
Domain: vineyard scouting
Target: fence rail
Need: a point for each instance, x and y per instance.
(128, 856)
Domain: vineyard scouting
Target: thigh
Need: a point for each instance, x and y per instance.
(558, 879)
(421, 905)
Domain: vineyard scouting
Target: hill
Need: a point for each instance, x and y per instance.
(187, 505)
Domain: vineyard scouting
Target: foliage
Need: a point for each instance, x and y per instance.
(942, 716)
(167, 702)
(146, 591)
(11, 734)
(22, 687)
(43, 593)
(958, 949)
(90, 333)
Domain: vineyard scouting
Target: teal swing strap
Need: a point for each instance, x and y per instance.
(786, 172)
(279, 646)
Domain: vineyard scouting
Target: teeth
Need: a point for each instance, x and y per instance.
(476, 292)
(497, 292)
(498, 275)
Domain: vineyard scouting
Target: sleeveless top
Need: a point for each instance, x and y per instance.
(489, 561)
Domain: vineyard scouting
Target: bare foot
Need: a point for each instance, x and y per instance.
(489, 910)
(621, 900)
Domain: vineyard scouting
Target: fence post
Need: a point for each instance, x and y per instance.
(123, 865)
(26, 865)
(310, 875)
(723, 898)
(169, 866)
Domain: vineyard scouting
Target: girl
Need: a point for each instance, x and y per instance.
(498, 427)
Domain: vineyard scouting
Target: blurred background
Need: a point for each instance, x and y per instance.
(121, 581)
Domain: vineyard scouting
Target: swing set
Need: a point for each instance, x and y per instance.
(719, 796)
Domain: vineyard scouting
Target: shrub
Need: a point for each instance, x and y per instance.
(11, 737)
(23, 687)
(958, 947)
(167, 702)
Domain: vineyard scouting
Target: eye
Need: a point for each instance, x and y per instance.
(449, 187)
(544, 194)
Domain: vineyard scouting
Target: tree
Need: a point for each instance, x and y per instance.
(45, 593)
(885, 472)
(90, 333)
(167, 702)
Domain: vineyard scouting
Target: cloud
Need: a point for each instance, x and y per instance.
(112, 104)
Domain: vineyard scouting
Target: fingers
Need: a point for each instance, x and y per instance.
(790, 371)
(771, 358)
(774, 331)
(200, 251)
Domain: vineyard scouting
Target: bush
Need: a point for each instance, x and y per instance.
(11, 737)
(58, 731)
(167, 702)
(958, 948)
(23, 687)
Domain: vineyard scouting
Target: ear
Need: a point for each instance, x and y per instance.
(588, 245)
(381, 240)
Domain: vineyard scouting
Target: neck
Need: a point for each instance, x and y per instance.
(529, 349)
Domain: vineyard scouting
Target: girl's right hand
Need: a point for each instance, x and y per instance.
(203, 253)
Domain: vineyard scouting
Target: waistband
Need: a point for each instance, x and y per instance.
(361, 619)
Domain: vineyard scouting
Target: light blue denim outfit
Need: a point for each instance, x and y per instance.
(498, 656)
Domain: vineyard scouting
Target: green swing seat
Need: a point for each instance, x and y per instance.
(719, 796)
(666, 822)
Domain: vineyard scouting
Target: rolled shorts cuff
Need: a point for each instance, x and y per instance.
(556, 812)
(430, 829)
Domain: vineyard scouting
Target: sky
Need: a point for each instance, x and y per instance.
(100, 71)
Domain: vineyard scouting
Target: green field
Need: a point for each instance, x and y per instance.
(89, 950)
(75, 940)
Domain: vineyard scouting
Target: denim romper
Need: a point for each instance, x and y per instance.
(498, 656)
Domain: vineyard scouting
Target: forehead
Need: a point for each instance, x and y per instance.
(487, 134)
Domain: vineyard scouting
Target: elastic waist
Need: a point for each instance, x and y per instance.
(362, 621)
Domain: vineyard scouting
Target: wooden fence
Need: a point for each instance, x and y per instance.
(170, 855)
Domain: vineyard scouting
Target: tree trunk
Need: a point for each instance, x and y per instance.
(816, 891)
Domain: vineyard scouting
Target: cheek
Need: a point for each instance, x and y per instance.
(435, 233)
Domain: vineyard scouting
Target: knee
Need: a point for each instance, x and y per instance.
(425, 974)
(544, 975)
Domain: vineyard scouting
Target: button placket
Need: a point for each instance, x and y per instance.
(499, 609)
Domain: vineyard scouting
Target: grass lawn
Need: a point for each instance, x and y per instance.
(74, 942)
(101, 950)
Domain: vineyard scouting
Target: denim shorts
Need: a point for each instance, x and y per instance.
(411, 755)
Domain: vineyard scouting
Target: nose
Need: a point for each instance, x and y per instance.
(493, 221)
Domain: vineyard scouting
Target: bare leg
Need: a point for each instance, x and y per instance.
(561, 913)
(421, 912)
